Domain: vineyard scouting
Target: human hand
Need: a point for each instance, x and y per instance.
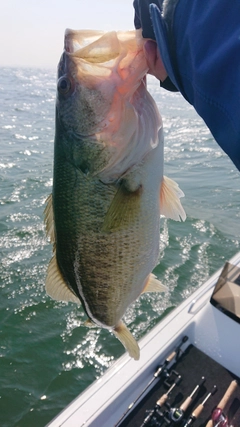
(154, 60)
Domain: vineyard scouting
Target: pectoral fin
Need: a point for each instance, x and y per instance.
(170, 205)
(123, 209)
(49, 219)
(154, 285)
(56, 287)
(126, 338)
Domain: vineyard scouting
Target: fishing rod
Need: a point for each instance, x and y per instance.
(160, 402)
(176, 414)
(217, 414)
(160, 372)
(198, 410)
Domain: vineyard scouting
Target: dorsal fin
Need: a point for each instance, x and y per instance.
(56, 287)
(170, 205)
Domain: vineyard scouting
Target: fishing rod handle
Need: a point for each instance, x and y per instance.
(210, 423)
(162, 400)
(186, 403)
(231, 389)
(171, 356)
(223, 402)
(198, 410)
(188, 400)
(175, 352)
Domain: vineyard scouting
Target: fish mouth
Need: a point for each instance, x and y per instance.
(92, 46)
(76, 40)
(103, 54)
(98, 46)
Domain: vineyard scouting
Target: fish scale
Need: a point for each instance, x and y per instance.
(101, 250)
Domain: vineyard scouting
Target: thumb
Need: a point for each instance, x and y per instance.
(154, 60)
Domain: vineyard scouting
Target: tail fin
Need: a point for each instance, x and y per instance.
(127, 340)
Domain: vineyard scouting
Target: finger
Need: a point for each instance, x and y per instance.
(154, 60)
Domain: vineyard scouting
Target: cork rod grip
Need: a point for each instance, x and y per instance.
(209, 424)
(162, 400)
(222, 404)
(186, 403)
(171, 356)
(198, 411)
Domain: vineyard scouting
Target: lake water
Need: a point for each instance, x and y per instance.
(47, 356)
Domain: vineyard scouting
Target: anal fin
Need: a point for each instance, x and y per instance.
(55, 285)
(126, 338)
(154, 285)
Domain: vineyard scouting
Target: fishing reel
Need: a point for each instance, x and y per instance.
(219, 418)
(153, 419)
(176, 415)
(155, 416)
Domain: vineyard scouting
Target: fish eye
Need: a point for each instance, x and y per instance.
(64, 85)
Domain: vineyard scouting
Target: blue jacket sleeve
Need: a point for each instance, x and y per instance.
(199, 41)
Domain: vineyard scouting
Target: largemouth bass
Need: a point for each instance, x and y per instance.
(108, 185)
